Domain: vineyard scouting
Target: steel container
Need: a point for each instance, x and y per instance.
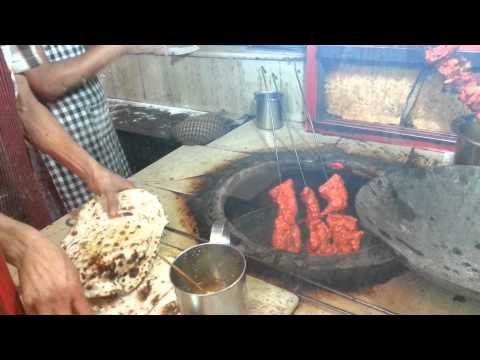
(206, 264)
(269, 114)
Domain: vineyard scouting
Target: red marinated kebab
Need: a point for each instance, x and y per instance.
(340, 233)
(335, 193)
(320, 238)
(345, 233)
(456, 74)
(286, 233)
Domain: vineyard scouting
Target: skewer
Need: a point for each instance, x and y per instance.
(279, 172)
(183, 274)
(309, 119)
(274, 77)
(263, 71)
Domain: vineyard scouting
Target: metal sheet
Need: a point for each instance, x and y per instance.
(429, 217)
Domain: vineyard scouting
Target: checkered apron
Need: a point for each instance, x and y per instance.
(84, 114)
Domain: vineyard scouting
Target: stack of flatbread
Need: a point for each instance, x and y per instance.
(116, 256)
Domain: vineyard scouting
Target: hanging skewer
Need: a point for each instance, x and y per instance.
(274, 77)
(279, 172)
(273, 133)
(322, 162)
(264, 73)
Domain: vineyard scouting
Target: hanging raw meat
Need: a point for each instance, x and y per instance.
(286, 233)
(437, 53)
(453, 68)
(335, 193)
(319, 241)
(345, 233)
(457, 76)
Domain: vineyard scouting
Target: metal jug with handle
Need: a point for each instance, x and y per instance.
(218, 267)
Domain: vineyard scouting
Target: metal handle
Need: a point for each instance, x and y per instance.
(220, 233)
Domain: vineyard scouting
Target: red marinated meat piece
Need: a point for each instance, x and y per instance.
(475, 107)
(335, 193)
(457, 77)
(286, 233)
(461, 80)
(319, 241)
(336, 166)
(455, 71)
(286, 237)
(437, 53)
(469, 93)
(346, 236)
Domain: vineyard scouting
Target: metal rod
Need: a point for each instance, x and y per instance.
(322, 304)
(346, 296)
(330, 290)
(263, 71)
(274, 77)
(309, 119)
(406, 120)
(296, 155)
(187, 235)
(301, 295)
(279, 172)
(183, 274)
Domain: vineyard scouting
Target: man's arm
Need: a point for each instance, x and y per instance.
(51, 81)
(44, 131)
(49, 282)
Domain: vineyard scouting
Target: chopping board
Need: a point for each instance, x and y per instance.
(156, 295)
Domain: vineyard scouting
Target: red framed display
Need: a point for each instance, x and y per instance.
(400, 54)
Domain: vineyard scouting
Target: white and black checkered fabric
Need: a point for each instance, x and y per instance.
(84, 114)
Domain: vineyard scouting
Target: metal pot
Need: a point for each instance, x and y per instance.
(269, 114)
(219, 268)
(468, 142)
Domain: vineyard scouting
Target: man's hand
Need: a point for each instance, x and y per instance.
(108, 184)
(50, 285)
(147, 49)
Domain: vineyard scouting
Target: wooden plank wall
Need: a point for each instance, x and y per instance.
(363, 92)
(201, 83)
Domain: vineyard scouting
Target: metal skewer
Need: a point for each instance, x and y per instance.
(183, 274)
(264, 72)
(276, 149)
(279, 172)
(274, 77)
(309, 119)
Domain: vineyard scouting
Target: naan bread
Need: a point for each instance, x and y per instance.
(152, 297)
(115, 255)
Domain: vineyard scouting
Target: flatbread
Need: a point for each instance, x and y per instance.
(150, 298)
(114, 256)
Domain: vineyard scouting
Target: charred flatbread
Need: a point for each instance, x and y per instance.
(115, 255)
